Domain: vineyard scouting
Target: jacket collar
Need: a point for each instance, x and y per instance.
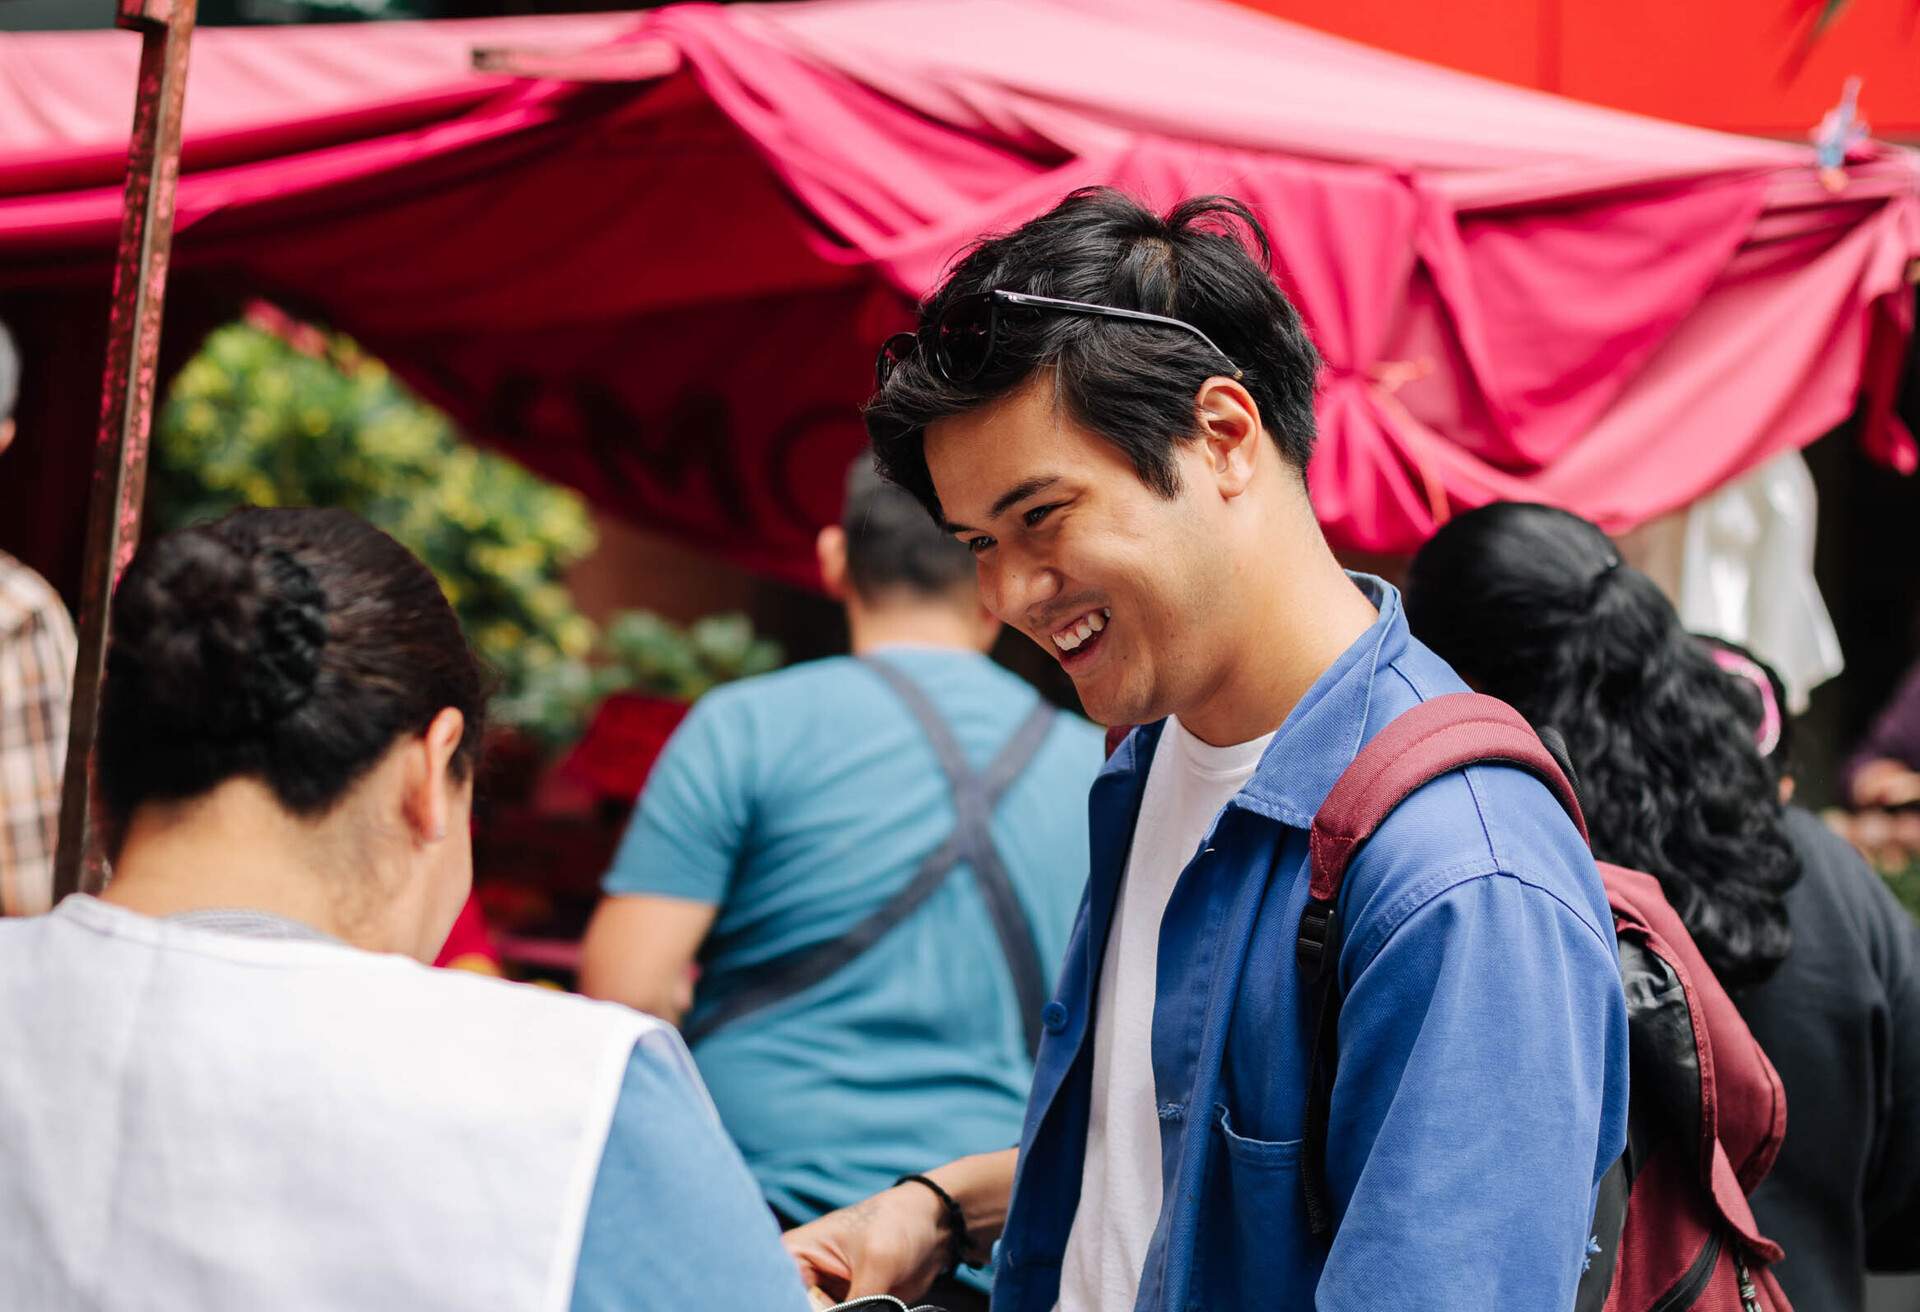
(1320, 736)
(1327, 727)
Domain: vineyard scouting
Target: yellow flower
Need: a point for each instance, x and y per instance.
(575, 636)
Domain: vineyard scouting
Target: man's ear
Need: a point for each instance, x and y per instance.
(1229, 425)
(831, 548)
(7, 430)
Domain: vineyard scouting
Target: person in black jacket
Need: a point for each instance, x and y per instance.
(1534, 606)
(1840, 1020)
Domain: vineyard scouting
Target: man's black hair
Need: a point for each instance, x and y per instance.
(1132, 384)
(891, 545)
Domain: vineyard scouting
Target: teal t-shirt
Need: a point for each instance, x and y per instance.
(797, 803)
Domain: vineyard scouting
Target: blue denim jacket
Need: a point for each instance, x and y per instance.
(1482, 1080)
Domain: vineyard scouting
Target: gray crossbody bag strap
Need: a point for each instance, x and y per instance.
(971, 843)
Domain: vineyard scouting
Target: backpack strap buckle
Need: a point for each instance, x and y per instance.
(1317, 944)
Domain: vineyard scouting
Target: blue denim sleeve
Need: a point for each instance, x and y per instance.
(675, 1219)
(1480, 1095)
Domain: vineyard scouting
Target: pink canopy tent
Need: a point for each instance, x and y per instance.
(650, 255)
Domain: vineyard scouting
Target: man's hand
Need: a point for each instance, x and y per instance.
(895, 1242)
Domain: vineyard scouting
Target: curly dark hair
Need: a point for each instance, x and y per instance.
(1534, 606)
(1781, 758)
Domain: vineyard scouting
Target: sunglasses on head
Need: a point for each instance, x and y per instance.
(960, 343)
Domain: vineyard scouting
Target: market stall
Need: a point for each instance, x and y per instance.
(649, 255)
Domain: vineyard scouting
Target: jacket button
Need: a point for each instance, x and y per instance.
(1054, 1017)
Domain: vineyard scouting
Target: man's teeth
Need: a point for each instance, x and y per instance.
(1071, 637)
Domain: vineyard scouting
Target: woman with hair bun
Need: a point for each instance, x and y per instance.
(230, 1081)
(1670, 747)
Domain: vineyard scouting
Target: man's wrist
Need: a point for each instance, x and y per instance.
(911, 1201)
(949, 1220)
(982, 1185)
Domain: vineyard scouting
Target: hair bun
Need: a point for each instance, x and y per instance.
(221, 638)
(292, 631)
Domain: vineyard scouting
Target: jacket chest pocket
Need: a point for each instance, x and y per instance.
(1256, 1249)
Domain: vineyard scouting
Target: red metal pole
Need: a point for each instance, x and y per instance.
(126, 404)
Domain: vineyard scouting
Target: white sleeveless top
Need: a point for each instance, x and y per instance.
(190, 1119)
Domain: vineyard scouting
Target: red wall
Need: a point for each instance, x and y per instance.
(1742, 65)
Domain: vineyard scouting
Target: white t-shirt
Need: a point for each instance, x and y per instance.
(1187, 786)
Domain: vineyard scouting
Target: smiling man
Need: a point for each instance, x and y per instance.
(1114, 412)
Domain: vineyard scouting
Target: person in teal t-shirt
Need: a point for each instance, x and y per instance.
(875, 861)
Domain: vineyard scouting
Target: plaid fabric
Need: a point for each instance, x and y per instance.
(37, 652)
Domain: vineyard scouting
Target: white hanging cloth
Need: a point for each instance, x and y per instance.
(1738, 565)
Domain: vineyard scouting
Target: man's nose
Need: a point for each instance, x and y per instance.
(1012, 587)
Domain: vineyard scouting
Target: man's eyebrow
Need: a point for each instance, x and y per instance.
(1013, 496)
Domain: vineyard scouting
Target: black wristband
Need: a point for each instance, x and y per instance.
(956, 1220)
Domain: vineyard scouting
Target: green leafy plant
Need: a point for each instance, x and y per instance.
(1905, 882)
(1818, 18)
(641, 652)
(657, 656)
(272, 413)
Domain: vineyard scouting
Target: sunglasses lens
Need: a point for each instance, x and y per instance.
(893, 353)
(963, 339)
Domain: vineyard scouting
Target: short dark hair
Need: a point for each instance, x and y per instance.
(1132, 384)
(891, 544)
(289, 646)
(1534, 605)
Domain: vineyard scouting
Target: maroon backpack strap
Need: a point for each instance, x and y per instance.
(1421, 744)
(1432, 739)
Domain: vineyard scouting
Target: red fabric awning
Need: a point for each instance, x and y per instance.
(657, 270)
